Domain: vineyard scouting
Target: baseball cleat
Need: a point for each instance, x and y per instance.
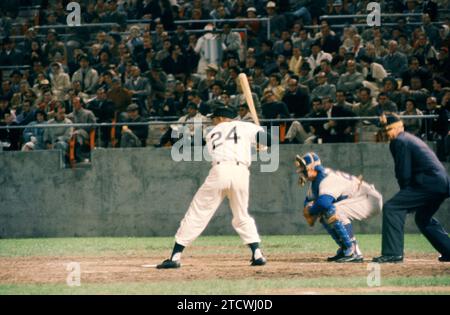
(259, 262)
(353, 258)
(444, 259)
(169, 264)
(388, 259)
(339, 255)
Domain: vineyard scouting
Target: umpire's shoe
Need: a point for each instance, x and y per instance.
(259, 262)
(169, 264)
(388, 259)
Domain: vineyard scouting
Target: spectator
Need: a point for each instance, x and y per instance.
(212, 76)
(439, 83)
(418, 93)
(239, 99)
(209, 47)
(195, 123)
(436, 129)
(113, 15)
(366, 105)
(21, 95)
(103, 110)
(337, 130)
(6, 92)
(395, 62)
(403, 45)
(304, 42)
(423, 49)
(329, 42)
(26, 114)
(86, 75)
(390, 87)
(34, 137)
(350, 81)
(119, 96)
(323, 87)
(134, 135)
(277, 21)
(9, 54)
(297, 99)
(341, 100)
(139, 88)
(413, 70)
(317, 55)
(57, 138)
(372, 71)
(412, 125)
(175, 63)
(309, 132)
(202, 107)
(272, 108)
(81, 115)
(244, 114)
(275, 86)
(259, 78)
(60, 81)
(232, 41)
(385, 105)
(10, 137)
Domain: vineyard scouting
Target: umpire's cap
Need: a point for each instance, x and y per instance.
(390, 120)
(224, 111)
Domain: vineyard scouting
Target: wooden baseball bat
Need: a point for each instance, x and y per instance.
(248, 96)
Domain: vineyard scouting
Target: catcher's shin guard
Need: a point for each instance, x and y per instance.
(340, 230)
(331, 231)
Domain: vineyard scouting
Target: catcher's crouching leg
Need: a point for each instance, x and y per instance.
(349, 253)
(335, 237)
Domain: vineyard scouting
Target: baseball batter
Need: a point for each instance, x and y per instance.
(229, 145)
(337, 198)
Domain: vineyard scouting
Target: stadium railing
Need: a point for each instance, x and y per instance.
(214, 21)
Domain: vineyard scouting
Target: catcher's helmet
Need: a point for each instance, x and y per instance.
(308, 160)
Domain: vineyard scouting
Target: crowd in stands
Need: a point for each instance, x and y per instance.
(156, 61)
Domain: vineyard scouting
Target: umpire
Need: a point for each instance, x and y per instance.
(424, 185)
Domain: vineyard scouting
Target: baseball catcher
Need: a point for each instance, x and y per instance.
(335, 198)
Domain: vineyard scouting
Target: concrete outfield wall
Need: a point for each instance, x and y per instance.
(142, 192)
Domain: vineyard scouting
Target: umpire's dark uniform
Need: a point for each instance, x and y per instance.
(424, 185)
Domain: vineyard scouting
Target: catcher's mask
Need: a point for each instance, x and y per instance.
(308, 161)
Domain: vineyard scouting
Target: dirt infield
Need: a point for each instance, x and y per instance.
(111, 269)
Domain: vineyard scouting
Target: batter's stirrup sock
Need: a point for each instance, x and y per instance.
(176, 252)
(256, 251)
(349, 229)
(331, 231)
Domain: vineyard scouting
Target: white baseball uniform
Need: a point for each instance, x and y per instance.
(355, 199)
(229, 145)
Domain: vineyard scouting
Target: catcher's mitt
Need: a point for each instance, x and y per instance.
(310, 219)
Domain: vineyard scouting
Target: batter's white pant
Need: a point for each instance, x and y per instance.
(367, 202)
(226, 179)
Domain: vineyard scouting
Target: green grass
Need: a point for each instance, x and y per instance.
(222, 287)
(225, 244)
(122, 246)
